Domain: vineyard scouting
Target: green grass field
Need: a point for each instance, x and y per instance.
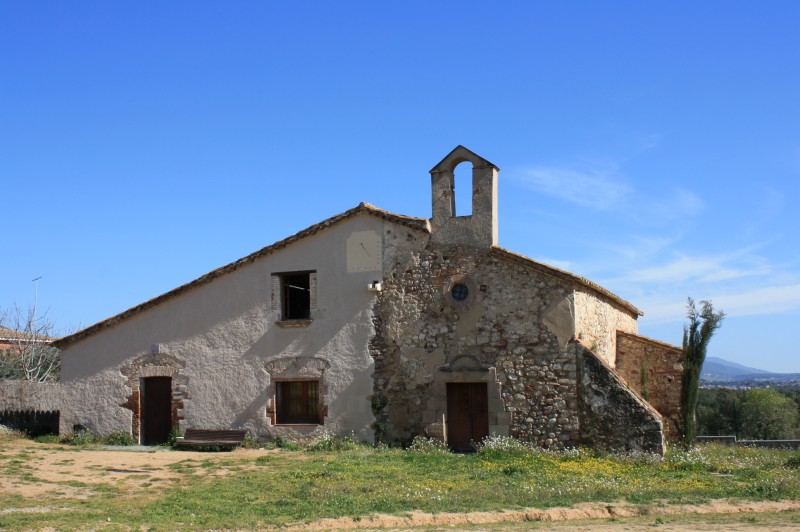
(337, 478)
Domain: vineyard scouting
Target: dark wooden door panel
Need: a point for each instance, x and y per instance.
(156, 410)
(467, 414)
(458, 423)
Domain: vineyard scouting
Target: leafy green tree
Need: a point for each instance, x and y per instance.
(696, 337)
(719, 412)
(769, 415)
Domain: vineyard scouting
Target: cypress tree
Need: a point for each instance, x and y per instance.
(696, 336)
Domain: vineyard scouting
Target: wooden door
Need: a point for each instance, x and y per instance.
(467, 414)
(156, 410)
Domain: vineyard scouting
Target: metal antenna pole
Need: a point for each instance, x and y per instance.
(35, 302)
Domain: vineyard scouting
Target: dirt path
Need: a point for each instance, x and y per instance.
(54, 467)
(579, 512)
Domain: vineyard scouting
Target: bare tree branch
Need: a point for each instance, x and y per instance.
(25, 350)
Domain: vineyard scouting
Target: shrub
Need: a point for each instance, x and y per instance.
(81, 438)
(8, 434)
(174, 434)
(423, 444)
(119, 438)
(251, 443)
(47, 438)
(331, 442)
(289, 445)
(492, 444)
(794, 461)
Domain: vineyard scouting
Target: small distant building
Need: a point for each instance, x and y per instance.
(13, 342)
(386, 327)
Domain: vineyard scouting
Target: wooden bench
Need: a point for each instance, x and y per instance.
(212, 439)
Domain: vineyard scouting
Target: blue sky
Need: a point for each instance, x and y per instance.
(651, 147)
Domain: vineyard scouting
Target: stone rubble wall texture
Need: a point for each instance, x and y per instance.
(420, 329)
(654, 370)
(613, 417)
(596, 321)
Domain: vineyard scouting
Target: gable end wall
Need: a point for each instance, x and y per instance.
(596, 321)
(654, 370)
(512, 333)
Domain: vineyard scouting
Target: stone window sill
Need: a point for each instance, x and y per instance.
(294, 324)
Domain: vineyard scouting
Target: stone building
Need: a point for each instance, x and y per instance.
(383, 326)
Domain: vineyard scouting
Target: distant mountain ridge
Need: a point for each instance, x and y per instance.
(723, 372)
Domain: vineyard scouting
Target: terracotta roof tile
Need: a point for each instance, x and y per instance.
(649, 340)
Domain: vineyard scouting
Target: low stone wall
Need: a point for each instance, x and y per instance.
(723, 440)
(26, 396)
(764, 444)
(612, 416)
(653, 369)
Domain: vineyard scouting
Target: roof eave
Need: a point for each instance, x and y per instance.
(567, 276)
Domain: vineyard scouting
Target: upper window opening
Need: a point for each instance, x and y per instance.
(462, 182)
(296, 291)
(460, 292)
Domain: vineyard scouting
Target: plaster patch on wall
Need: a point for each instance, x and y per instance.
(559, 320)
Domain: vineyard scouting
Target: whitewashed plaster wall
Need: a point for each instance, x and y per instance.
(224, 333)
(596, 321)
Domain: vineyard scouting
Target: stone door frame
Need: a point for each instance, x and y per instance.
(463, 369)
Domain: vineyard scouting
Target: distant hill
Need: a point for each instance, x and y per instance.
(720, 372)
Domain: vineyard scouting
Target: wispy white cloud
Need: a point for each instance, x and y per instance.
(742, 282)
(561, 264)
(648, 141)
(595, 188)
(703, 269)
(652, 248)
(766, 300)
(604, 187)
(767, 203)
(675, 204)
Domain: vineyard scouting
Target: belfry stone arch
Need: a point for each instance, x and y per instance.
(478, 229)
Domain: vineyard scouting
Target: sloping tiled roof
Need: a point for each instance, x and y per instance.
(564, 275)
(651, 341)
(420, 224)
(14, 335)
(8, 334)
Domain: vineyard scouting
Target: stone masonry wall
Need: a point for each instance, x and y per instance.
(515, 320)
(654, 370)
(612, 416)
(596, 321)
